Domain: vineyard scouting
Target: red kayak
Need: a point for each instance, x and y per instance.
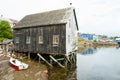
(18, 65)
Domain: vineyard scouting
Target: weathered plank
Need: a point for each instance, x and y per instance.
(57, 61)
(44, 59)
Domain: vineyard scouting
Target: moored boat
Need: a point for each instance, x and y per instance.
(18, 65)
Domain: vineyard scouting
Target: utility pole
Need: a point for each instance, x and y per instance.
(1, 16)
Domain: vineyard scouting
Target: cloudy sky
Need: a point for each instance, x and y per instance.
(94, 16)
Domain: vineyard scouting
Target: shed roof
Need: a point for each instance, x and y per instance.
(46, 18)
(6, 42)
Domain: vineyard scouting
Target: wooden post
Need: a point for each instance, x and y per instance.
(39, 59)
(28, 55)
(56, 61)
(51, 61)
(44, 59)
(66, 63)
(68, 59)
(75, 60)
(73, 56)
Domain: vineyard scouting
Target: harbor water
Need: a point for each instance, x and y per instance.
(101, 63)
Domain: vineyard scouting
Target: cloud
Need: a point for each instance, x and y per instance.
(100, 16)
(94, 16)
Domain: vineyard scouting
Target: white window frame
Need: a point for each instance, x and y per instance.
(69, 39)
(28, 40)
(17, 40)
(69, 23)
(40, 40)
(55, 40)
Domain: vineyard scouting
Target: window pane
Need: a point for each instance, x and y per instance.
(68, 38)
(55, 40)
(28, 40)
(40, 40)
(17, 40)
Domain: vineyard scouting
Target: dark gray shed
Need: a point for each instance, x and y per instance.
(6, 45)
(51, 32)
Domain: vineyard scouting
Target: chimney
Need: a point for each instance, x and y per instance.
(70, 4)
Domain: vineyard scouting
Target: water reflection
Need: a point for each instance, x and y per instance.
(69, 73)
(118, 47)
(102, 64)
(57, 73)
(88, 51)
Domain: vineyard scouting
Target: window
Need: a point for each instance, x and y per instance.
(68, 38)
(40, 40)
(55, 40)
(16, 39)
(69, 23)
(28, 40)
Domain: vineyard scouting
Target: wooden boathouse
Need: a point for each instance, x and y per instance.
(51, 32)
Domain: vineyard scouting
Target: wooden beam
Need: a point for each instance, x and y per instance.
(57, 61)
(73, 56)
(28, 55)
(60, 59)
(66, 64)
(68, 59)
(44, 59)
(39, 59)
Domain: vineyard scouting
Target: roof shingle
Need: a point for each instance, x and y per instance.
(45, 18)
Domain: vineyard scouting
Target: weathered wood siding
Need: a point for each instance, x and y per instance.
(71, 36)
(47, 46)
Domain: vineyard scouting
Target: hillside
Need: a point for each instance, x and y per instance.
(83, 43)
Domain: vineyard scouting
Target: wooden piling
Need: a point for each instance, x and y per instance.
(44, 59)
(65, 61)
(56, 61)
(39, 59)
(67, 57)
(66, 64)
(28, 55)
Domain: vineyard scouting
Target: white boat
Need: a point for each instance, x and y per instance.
(18, 65)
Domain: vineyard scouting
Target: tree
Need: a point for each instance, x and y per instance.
(5, 30)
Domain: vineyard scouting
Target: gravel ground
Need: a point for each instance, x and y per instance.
(36, 71)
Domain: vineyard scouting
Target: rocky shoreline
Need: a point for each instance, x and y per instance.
(84, 44)
(34, 72)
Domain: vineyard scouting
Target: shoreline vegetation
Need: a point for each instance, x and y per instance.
(84, 44)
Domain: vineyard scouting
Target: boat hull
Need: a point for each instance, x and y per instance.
(14, 66)
(18, 65)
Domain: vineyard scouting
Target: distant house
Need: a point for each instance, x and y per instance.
(103, 40)
(87, 36)
(117, 40)
(95, 37)
(5, 45)
(12, 22)
(51, 32)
